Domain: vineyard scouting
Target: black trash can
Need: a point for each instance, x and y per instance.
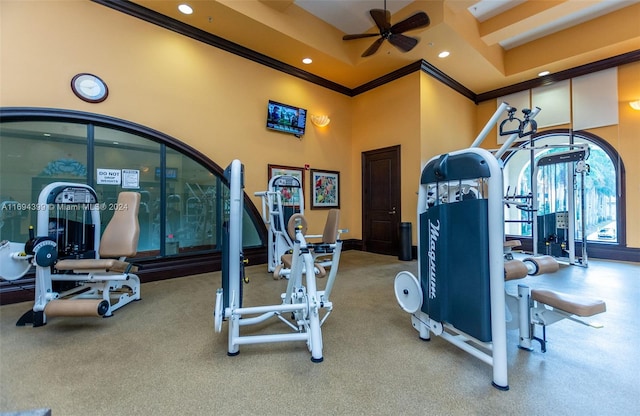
(404, 253)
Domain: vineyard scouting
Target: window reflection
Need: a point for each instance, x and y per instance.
(32, 155)
(180, 201)
(191, 205)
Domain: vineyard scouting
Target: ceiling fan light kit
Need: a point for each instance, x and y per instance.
(392, 33)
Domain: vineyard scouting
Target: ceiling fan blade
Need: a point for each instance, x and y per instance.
(373, 48)
(402, 42)
(360, 36)
(382, 18)
(416, 21)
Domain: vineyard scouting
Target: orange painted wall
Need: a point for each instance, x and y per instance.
(420, 114)
(388, 116)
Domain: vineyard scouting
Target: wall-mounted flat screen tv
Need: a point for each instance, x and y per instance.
(286, 118)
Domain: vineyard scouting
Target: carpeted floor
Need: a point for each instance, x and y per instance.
(161, 356)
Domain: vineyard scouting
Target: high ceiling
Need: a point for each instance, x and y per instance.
(492, 43)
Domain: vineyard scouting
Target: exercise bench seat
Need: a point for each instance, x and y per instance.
(325, 248)
(96, 265)
(572, 304)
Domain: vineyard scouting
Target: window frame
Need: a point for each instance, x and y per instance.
(596, 248)
(13, 114)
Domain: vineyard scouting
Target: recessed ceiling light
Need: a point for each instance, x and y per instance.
(443, 54)
(185, 8)
(307, 61)
(543, 73)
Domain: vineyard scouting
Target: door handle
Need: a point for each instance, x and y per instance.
(393, 211)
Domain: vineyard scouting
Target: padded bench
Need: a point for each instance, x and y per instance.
(572, 304)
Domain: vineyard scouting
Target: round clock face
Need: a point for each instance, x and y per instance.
(89, 88)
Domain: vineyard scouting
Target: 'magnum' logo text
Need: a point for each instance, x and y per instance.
(434, 234)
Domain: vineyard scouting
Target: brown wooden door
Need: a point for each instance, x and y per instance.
(381, 200)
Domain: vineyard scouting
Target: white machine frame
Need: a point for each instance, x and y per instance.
(526, 308)
(497, 349)
(308, 306)
(279, 241)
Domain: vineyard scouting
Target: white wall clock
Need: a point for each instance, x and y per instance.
(89, 88)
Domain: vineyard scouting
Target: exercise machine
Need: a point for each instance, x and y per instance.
(460, 210)
(303, 308)
(460, 301)
(551, 214)
(554, 226)
(199, 214)
(79, 271)
(283, 199)
(553, 202)
(325, 248)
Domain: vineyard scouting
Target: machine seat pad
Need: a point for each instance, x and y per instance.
(109, 265)
(575, 305)
(511, 243)
(287, 261)
(322, 248)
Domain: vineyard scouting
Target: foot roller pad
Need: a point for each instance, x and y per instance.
(543, 264)
(515, 269)
(77, 307)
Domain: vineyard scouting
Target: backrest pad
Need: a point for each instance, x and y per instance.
(330, 234)
(120, 237)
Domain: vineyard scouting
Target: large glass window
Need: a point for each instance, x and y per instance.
(180, 201)
(191, 205)
(32, 155)
(553, 183)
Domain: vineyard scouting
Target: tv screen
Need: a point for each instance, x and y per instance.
(286, 118)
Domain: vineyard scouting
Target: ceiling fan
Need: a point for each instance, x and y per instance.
(393, 34)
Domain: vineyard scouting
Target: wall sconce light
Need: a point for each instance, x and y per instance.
(320, 121)
(635, 105)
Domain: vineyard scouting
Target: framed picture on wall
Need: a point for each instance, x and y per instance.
(325, 189)
(289, 199)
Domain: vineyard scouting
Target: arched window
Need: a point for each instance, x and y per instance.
(181, 208)
(602, 182)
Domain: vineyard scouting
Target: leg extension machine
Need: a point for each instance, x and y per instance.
(69, 251)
